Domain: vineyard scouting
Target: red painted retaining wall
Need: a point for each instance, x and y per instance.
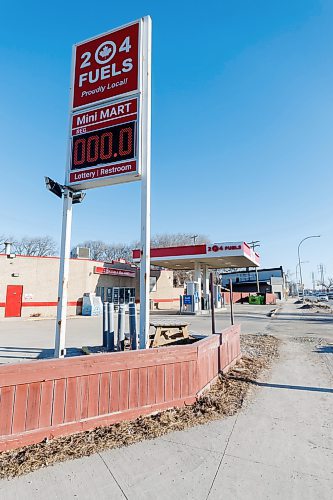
(236, 297)
(243, 297)
(45, 399)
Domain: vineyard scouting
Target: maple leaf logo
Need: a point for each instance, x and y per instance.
(104, 53)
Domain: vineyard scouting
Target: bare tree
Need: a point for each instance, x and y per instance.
(119, 251)
(99, 250)
(41, 246)
(327, 284)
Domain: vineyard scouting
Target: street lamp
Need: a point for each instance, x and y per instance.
(299, 260)
(253, 245)
(297, 266)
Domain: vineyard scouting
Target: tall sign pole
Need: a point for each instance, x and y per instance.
(145, 191)
(109, 139)
(60, 339)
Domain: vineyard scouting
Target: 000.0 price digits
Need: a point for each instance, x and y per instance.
(104, 146)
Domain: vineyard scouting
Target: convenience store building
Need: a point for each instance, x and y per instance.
(29, 285)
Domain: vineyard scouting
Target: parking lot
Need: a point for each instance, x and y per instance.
(27, 339)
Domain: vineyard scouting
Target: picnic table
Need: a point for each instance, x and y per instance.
(167, 332)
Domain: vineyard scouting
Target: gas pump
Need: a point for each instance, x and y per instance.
(191, 299)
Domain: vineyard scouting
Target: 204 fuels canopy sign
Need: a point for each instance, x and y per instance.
(108, 132)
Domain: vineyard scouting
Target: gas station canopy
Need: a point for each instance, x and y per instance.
(212, 255)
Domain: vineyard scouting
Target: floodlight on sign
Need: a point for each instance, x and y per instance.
(54, 187)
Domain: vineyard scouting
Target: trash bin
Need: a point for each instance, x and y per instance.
(256, 299)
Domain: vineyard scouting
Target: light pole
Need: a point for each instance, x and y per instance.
(299, 260)
(253, 245)
(297, 266)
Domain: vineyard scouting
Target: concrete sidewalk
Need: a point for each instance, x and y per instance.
(279, 446)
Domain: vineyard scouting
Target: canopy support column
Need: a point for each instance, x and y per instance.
(197, 277)
(205, 281)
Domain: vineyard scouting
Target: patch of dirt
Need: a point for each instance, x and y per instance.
(224, 398)
(317, 308)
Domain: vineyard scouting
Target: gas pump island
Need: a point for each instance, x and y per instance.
(200, 259)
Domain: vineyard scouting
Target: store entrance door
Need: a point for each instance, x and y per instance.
(13, 301)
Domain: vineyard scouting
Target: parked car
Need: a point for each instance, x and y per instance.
(322, 297)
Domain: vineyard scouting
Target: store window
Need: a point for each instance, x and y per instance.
(121, 295)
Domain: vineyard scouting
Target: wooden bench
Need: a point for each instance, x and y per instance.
(168, 332)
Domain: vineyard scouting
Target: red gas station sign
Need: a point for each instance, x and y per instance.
(106, 66)
(109, 136)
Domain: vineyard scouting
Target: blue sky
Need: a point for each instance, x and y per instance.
(242, 123)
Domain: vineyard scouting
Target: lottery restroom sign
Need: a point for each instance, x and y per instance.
(107, 135)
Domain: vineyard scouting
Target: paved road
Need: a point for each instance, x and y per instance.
(280, 446)
(26, 339)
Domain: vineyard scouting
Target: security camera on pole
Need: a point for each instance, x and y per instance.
(109, 140)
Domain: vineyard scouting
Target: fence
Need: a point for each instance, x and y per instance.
(46, 399)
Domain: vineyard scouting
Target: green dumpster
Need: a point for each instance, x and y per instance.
(257, 299)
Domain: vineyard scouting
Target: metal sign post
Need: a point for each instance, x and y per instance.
(145, 191)
(212, 298)
(231, 302)
(60, 339)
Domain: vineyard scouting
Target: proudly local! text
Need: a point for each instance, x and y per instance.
(101, 88)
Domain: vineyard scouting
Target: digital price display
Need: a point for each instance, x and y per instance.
(104, 147)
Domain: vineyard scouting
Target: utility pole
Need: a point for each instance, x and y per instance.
(313, 282)
(253, 245)
(322, 275)
(194, 237)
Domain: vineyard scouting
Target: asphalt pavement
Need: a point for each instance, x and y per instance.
(27, 339)
(279, 446)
